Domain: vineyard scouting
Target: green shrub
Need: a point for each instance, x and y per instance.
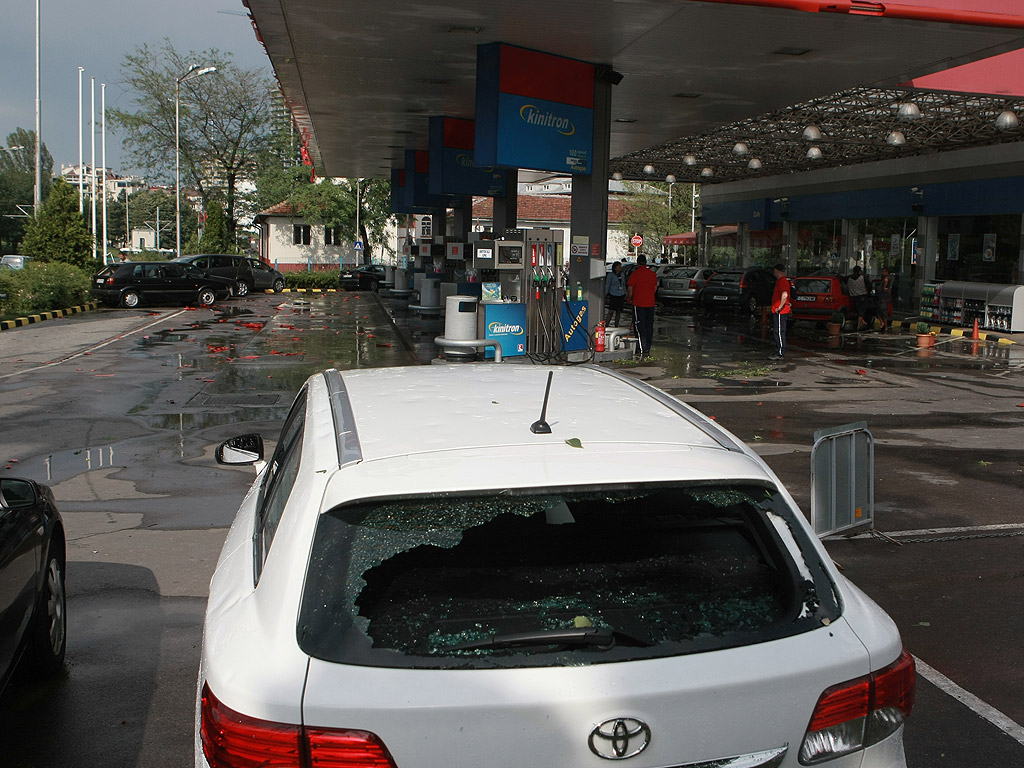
(42, 288)
(923, 327)
(323, 279)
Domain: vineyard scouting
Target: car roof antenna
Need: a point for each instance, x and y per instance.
(540, 426)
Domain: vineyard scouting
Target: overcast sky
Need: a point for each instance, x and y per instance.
(96, 34)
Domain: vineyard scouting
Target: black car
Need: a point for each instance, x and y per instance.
(367, 277)
(742, 289)
(33, 608)
(246, 273)
(133, 282)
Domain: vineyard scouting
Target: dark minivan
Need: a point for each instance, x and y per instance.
(133, 282)
(247, 274)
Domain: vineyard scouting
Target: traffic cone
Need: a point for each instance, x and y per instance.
(975, 336)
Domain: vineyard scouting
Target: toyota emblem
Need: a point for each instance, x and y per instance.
(619, 738)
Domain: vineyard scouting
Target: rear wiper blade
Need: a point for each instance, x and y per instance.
(604, 639)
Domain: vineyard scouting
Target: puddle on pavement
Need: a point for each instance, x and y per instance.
(62, 465)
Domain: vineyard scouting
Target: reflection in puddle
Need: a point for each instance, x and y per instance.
(57, 467)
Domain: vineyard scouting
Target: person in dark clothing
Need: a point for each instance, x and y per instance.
(640, 290)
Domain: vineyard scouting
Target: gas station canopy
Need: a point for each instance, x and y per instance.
(361, 78)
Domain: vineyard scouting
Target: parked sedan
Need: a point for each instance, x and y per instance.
(683, 283)
(816, 297)
(135, 282)
(33, 616)
(367, 277)
(440, 577)
(742, 289)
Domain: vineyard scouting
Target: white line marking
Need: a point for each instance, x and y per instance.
(124, 335)
(1012, 729)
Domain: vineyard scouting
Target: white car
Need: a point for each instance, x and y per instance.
(431, 572)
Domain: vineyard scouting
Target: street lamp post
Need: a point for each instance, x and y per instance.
(192, 72)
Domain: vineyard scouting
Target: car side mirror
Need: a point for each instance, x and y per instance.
(242, 449)
(16, 493)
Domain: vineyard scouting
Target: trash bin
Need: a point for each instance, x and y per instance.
(460, 325)
(401, 281)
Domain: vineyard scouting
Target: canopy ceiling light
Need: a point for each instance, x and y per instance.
(707, 173)
(1007, 120)
(649, 170)
(754, 164)
(812, 133)
(896, 139)
(617, 176)
(689, 160)
(908, 110)
(815, 153)
(670, 179)
(740, 149)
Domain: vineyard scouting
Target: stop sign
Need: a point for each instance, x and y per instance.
(636, 241)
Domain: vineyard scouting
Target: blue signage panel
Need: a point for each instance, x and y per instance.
(453, 169)
(575, 336)
(534, 110)
(400, 196)
(505, 323)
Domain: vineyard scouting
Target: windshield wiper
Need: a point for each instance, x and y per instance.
(604, 639)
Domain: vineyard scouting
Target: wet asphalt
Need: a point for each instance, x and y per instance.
(118, 411)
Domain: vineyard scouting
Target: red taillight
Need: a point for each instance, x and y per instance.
(858, 713)
(233, 740)
(346, 749)
(693, 283)
(842, 703)
(109, 281)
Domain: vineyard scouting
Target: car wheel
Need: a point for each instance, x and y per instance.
(130, 299)
(207, 296)
(278, 285)
(241, 288)
(48, 639)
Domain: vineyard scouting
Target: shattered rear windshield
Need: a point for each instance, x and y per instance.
(530, 578)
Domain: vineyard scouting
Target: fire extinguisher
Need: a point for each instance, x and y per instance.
(599, 337)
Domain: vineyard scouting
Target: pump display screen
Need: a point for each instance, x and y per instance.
(511, 255)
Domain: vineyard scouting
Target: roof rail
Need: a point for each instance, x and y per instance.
(708, 427)
(349, 449)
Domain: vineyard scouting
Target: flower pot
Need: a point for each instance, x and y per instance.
(834, 328)
(925, 340)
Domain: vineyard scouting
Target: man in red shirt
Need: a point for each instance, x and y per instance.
(781, 310)
(640, 290)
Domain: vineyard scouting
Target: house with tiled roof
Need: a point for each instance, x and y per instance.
(291, 245)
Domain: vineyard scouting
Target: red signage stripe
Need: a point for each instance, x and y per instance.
(422, 161)
(539, 75)
(459, 133)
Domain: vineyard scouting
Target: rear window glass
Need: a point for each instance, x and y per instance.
(725, 277)
(814, 286)
(553, 579)
(680, 272)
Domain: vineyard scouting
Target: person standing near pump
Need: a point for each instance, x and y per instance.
(640, 291)
(857, 286)
(781, 309)
(615, 291)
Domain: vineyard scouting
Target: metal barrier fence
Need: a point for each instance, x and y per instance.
(842, 479)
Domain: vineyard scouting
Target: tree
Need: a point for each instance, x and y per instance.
(59, 232)
(224, 120)
(646, 212)
(215, 237)
(17, 183)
